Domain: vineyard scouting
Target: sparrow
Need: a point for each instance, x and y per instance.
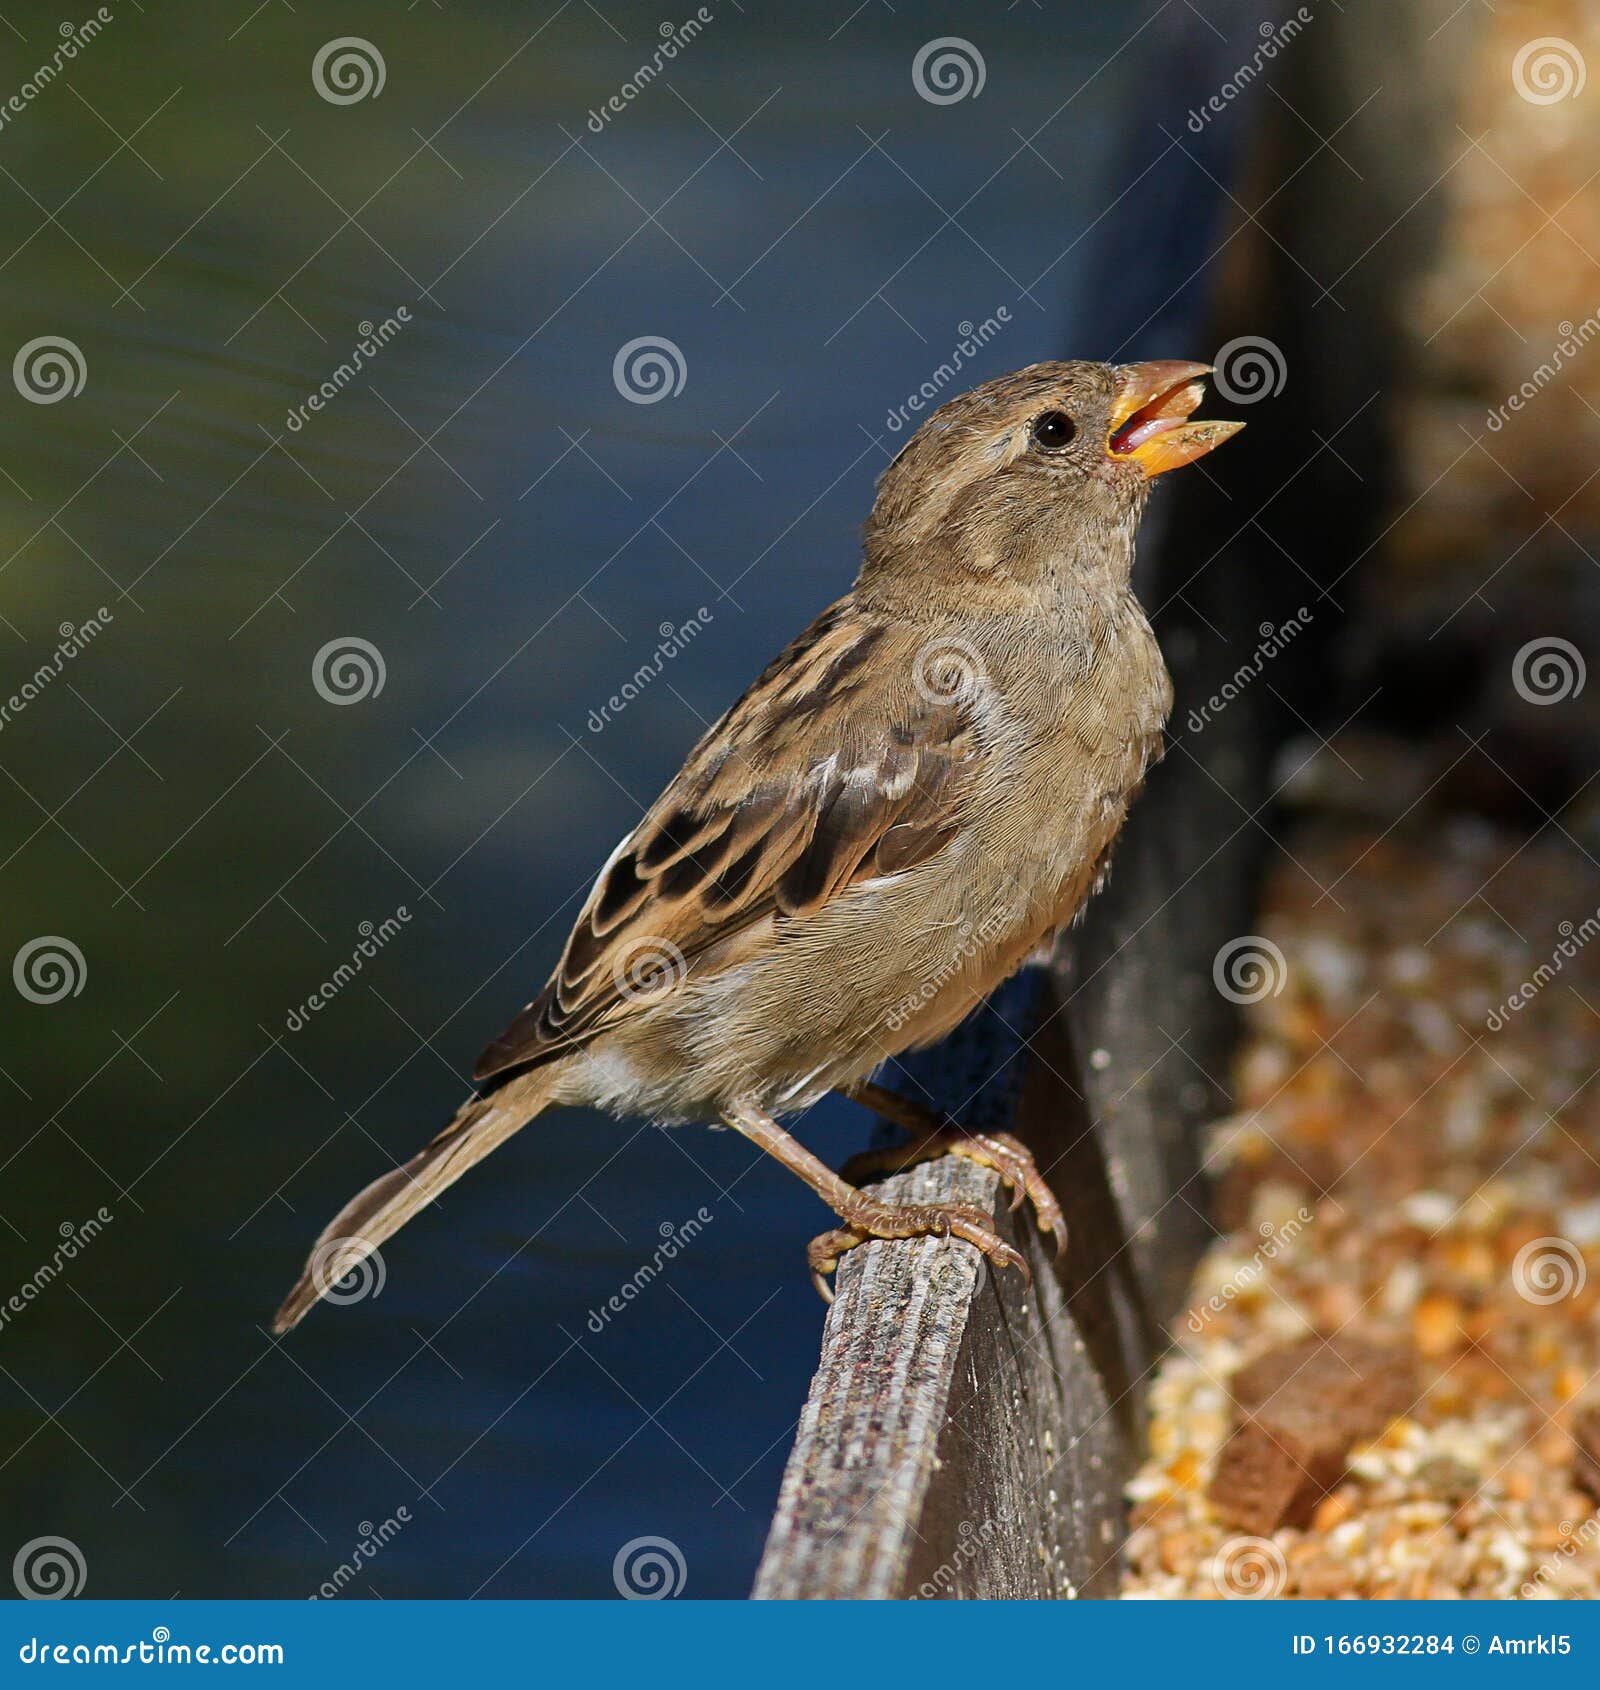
(910, 799)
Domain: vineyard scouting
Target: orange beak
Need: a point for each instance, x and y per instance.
(1149, 418)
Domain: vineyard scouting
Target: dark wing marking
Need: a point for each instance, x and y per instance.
(765, 820)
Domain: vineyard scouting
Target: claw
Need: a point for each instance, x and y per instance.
(974, 1227)
(910, 1220)
(1013, 1161)
(823, 1255)
(1005, 1154)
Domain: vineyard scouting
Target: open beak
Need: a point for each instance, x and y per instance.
(1149, 419)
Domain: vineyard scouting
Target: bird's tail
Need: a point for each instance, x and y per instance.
(481, 1124)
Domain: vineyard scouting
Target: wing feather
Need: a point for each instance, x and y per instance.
(767, 820)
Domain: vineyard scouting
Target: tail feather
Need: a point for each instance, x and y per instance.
(481, 1124)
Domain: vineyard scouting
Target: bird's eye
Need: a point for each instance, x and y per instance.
(1053, 430)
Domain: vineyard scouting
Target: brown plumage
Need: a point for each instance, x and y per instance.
(910, 798)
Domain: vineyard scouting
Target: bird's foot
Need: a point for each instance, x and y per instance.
(869, 1219)
(1007, 1156)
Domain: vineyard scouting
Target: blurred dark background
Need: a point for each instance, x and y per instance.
(509, 533)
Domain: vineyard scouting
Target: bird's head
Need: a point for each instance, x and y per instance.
(1039, 473)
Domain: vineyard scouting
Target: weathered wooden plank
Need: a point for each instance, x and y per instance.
(967, 1434)
(865, 1450)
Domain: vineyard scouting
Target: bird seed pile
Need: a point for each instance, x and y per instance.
(1412, 1279)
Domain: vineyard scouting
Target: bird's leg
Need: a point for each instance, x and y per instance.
(866, 1217)
(934, 1135)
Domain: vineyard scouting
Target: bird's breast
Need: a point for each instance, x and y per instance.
(1079, 738)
